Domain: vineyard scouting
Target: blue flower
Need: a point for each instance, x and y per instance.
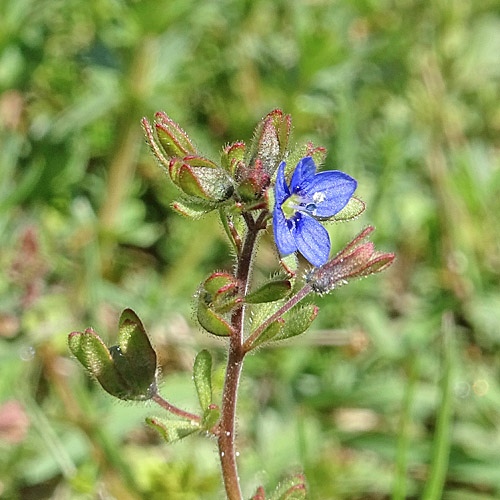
(310, 196)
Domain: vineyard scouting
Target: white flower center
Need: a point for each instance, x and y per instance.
(319, 197)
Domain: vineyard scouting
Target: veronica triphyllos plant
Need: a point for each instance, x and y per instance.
(251, 188)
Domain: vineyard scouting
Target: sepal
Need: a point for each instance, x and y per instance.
(190, 209)
(293, 488)
(219, 284)
(231, 155)
(93, 354)
(268, 147)
(219, 292)
(354, 208)
(212, 322)
(318, 154)
(200, 178)
(356, 260)
(136, 348)
(173, 139)
(270, 140)
(253, 180)
(202, 377)
(269, 292)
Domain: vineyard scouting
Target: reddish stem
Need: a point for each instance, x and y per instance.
(173, 409)
(235, 363)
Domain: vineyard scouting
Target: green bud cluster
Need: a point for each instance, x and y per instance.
(242, 173)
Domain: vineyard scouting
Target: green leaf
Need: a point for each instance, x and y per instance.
(173, 430)
(127, 370)
(269, 333)
(261, 312)
(211, 416)
(202, 376)
(212, 322)
(297, 321)
(354, 208)
(93, 354)
(274, 290)
(135, 358)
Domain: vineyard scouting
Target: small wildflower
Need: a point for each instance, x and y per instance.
(311, 196)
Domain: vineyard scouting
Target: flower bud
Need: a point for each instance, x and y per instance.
(216, 297)
(253, 180)
(231, 155)
(174, 140)
(356, 260)
(200, 179)
(253, 173)
(219, 290)
(270, 140)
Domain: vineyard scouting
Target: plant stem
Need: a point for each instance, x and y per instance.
(173, 409)
(235, 363)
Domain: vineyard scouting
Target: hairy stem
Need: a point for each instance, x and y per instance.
(235, 363)
(173, 409)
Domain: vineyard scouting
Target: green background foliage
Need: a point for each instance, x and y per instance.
(395, 391)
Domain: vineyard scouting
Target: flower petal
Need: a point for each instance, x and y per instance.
(312, 239)
(304, 173)
(281, 189)
(330, 191)
(282, 233)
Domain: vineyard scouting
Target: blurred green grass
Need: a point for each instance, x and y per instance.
(372, 403)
